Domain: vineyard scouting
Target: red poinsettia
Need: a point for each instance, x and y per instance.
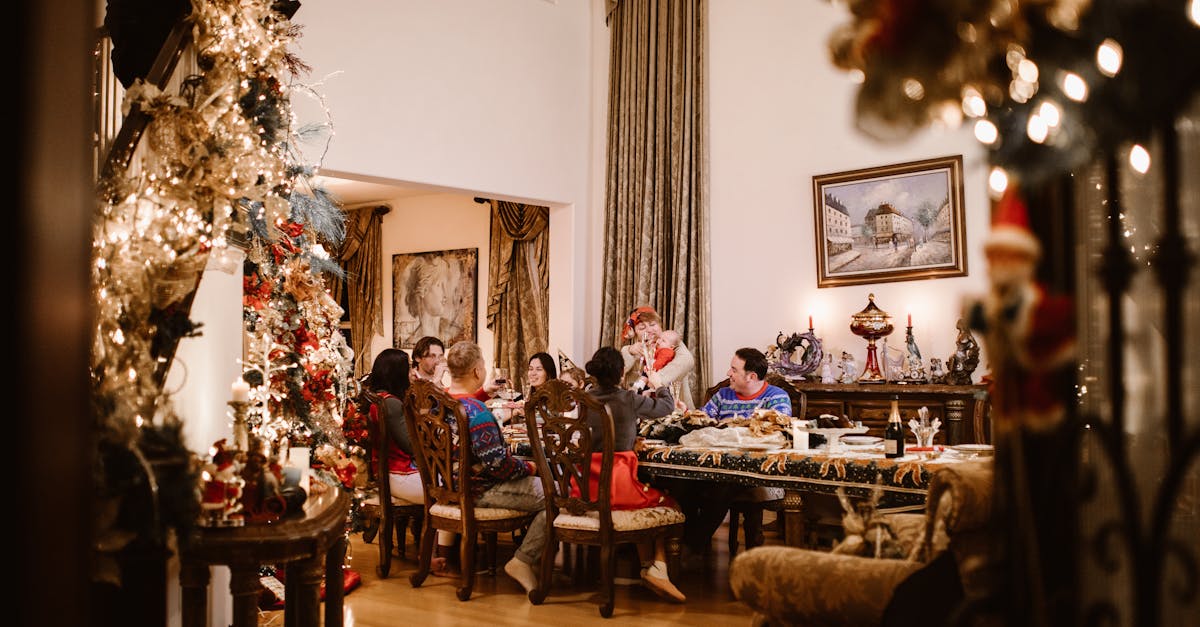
(256, 293)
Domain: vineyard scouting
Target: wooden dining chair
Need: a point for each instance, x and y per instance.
(439, 430)
(400, 515)
(562, 447)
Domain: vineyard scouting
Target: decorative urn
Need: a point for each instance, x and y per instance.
(871, 323)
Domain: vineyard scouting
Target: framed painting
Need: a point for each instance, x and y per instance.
(891, 223)
(435, 293)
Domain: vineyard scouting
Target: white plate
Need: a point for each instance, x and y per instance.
(977, 450)
(646, 442)
(861, 440)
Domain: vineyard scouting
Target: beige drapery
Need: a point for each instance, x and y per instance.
(656, 226)
(518, 284)
(361, 256)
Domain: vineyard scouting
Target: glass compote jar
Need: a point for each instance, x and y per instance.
(871, 323)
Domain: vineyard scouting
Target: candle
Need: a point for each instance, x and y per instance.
(810, 326)
(910, 320)
(240, 390)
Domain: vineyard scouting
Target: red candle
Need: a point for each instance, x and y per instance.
(910, 320)
(810, 326)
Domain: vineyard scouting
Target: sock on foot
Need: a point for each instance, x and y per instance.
(522, 572)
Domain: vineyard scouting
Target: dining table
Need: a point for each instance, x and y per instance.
(859, 472)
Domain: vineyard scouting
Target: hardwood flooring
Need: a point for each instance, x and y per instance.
(499, 600)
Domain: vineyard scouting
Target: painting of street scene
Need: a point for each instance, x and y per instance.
(891, 223)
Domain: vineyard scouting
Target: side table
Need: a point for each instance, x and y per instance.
(312, 546)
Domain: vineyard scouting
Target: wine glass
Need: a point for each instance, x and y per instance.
(501, 380)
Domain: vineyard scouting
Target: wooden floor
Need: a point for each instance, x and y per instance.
(499, 600)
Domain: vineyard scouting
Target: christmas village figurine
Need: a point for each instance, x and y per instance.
(261, 500)
(221, 487)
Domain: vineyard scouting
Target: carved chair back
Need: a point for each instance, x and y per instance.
(438, 429)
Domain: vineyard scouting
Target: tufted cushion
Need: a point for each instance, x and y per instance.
(801, 587)
(481, 513)
(623, 519)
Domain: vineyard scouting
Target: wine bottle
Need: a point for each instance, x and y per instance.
(893, 436)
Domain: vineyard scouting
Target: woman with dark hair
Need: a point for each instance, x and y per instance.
(607, 367)
(389, 379)
(541, 370)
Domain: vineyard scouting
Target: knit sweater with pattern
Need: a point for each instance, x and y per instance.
(493, 463)
(729, 404)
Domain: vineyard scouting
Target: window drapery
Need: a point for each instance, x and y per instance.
(518, 284)
(656, 226)
(361, 256)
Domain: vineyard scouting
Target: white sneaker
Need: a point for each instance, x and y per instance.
(522, 572)
(655, 578)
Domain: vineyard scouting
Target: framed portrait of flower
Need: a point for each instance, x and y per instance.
(892, 223)
(435, 293)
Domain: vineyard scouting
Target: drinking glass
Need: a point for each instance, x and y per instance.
(503, 382)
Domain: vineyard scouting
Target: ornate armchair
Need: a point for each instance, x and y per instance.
(947, 554)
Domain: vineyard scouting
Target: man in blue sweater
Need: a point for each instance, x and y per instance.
(705, 504)
(748, 389)
(499, 479)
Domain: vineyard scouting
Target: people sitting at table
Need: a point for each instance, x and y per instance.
(748, 389)
(541, 369)
(607, 366)
(706, 503)
(389, 379)
(641, 331)
(499, 479)
(429, 357)
(575, 377)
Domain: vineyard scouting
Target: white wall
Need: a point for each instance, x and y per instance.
(484, 97)
(780, 114)
(507, 99)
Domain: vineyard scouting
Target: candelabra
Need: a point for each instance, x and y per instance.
(241, 431)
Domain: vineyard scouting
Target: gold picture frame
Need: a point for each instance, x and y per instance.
(898, 222)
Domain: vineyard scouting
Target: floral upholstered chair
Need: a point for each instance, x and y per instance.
(946, 557)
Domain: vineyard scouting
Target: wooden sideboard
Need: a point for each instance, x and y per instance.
(312, 545)
(963, 409)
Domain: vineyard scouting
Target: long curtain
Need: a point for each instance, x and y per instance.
(656, 248)
(518, 284)
(361, 256)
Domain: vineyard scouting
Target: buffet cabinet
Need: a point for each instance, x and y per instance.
(963, 409)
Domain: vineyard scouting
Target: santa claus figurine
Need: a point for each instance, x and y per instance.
(1029, 334)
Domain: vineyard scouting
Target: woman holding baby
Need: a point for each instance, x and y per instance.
(650, 348)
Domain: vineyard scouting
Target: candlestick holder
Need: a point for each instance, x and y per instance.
(871, 323)
(241, 431)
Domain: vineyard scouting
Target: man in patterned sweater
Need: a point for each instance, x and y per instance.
(748, 389)
(706, 504)
(499, 479)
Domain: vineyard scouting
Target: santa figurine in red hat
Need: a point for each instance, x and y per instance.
(1029, 333)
